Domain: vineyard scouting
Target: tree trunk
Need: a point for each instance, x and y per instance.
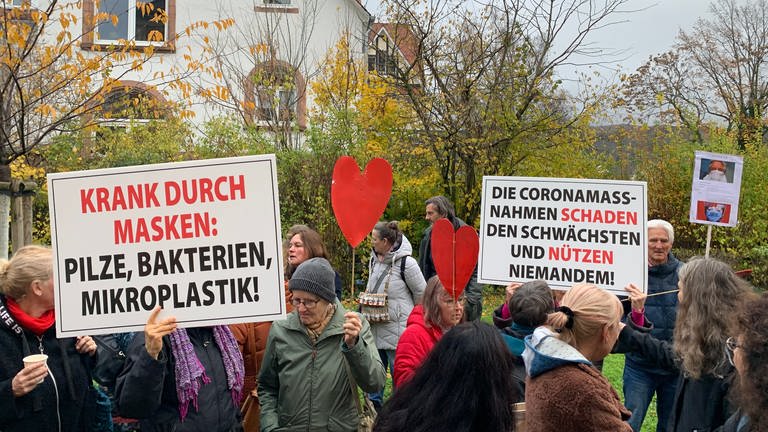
(5, 208)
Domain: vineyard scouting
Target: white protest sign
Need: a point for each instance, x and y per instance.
(565, 231)
(715, 189)
(201, 239)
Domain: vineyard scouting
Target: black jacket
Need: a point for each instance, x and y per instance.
(700, 404)
(64, 394)
(146, 389)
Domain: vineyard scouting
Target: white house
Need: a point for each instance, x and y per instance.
(250, 59)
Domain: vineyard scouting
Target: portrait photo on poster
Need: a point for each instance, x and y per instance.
(716, 170)
(708, 211)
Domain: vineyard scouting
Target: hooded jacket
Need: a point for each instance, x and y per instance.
(565, 392)
(305, 386)
(402, 295)
(61, 401)
(414, 346)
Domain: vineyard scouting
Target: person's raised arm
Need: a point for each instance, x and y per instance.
(140, 385)
(637, 300)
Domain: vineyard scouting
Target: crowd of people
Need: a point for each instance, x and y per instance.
(697, 339)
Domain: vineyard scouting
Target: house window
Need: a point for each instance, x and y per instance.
(277, 2)
(142, 21)
(382, 62)
(276, 103)
(131, 103)
(275, 95)
(13, 3)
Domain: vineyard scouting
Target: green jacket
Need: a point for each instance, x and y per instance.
(304, 387)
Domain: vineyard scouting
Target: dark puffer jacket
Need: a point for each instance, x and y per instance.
(60, 402)
(661, 311)
(146, 389)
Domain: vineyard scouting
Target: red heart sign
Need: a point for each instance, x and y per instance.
(360, 200)
(454, 255)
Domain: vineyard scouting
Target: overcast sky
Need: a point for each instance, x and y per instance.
(650, 30)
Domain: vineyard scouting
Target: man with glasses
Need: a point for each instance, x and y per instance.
(305, 381)
(642, 377)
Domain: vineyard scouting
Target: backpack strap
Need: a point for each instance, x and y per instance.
(402, 274)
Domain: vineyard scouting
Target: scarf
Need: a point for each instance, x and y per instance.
(314, 331)
(190, 372)
(38, 326)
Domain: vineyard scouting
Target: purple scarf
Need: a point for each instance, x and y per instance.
(190, 373)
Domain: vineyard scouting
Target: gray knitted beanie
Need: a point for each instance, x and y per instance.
(315, 276)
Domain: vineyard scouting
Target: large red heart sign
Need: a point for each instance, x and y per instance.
(359, 200)
(454, 255)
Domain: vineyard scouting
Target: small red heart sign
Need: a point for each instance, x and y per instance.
(454, 255)
(359, 200)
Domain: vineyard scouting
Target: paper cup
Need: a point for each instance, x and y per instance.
(519, 412)
(35, 359)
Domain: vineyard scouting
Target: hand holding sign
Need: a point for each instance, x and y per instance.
(454, 255)
(359, 200)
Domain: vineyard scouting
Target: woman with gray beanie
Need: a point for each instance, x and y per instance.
(303, 382)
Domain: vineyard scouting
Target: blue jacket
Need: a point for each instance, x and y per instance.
(661, 311)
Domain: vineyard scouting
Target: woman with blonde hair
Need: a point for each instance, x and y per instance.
(565, 391)
(47, 396)
(710, 296)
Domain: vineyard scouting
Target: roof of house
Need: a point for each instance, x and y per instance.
(401, 35)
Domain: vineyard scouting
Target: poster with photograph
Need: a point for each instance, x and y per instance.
(716, 188)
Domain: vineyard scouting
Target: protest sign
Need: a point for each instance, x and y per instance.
(716, 188)
(201, 239)
(565, 231)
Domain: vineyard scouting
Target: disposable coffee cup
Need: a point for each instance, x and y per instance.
(35, 359)
(519, 412)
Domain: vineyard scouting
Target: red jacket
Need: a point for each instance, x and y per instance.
(414, 345)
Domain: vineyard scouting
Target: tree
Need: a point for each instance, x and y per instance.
(50, 86)
(259, 70)
(716, 72)
(483, 90)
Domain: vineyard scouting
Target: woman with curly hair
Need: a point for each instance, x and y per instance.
(710, 296)
(748, 352)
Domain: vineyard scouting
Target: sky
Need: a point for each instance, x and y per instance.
(650, 30)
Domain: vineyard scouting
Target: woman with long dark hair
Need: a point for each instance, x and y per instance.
(464, 385)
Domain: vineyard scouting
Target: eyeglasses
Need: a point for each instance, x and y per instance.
(451, 302)
(309, 304)
(730, 347)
